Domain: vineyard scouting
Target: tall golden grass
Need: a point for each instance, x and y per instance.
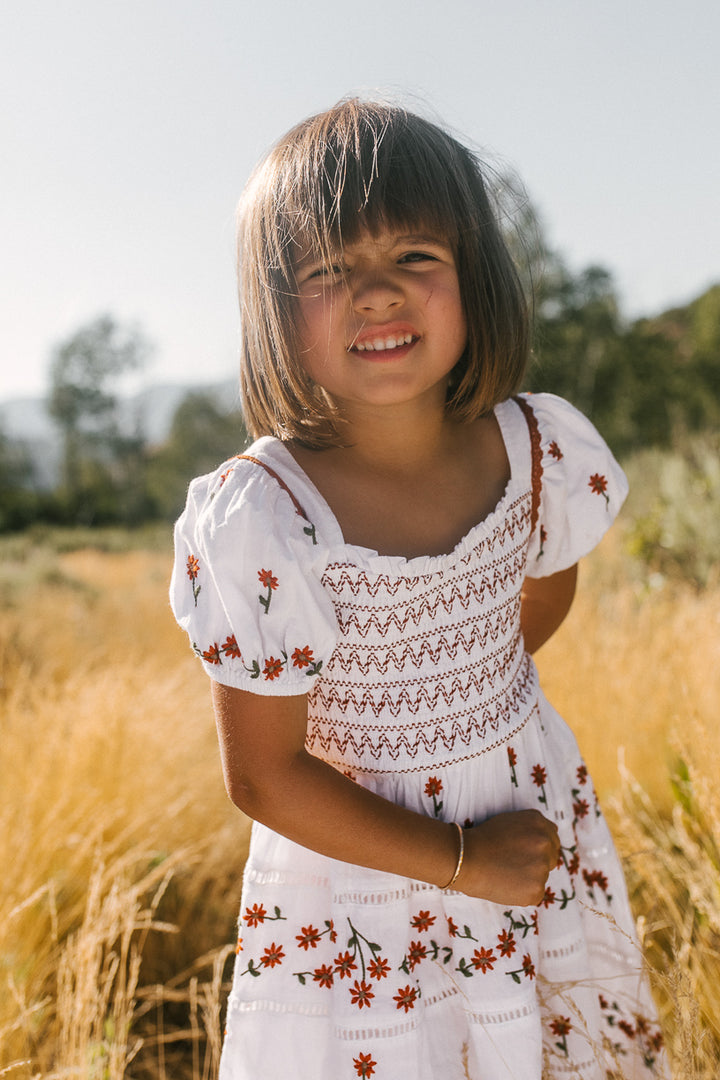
(121, 855)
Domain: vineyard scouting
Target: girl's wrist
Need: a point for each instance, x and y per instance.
(459, 848)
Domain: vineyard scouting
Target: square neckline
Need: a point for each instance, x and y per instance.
(516, 441)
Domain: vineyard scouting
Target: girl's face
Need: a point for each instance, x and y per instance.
(383, 324)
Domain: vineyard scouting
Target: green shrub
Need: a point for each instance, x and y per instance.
(674, 508)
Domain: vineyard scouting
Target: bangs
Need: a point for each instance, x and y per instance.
(365, 167)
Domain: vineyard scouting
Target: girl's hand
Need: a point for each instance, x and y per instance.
(272, 778)
(508, 858)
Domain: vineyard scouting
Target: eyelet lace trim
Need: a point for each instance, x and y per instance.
(506, 1016)
(282, 877)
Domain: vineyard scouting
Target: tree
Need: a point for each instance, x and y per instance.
(202, 436)
(18, 500)
(83, 402)
(576, 329)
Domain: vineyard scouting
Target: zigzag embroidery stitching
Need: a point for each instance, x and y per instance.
(361, 742)
(429, 647)
(364, 769)
(381, 618)
(426, 691)
(454, 718)
(356, 580)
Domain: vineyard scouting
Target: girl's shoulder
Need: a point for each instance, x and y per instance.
(252, 484)
(556, 416)
(581, 485)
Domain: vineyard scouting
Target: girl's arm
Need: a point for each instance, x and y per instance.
(272, 778)
(544, 603)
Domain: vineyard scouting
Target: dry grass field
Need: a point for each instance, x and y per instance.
(121, 855)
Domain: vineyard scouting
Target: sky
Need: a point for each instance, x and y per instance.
(129, 129)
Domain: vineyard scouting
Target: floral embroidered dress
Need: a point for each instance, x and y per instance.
(420, 689)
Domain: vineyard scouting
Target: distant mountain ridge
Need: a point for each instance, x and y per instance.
(27, 422)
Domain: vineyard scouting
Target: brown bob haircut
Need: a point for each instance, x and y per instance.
(363, 165)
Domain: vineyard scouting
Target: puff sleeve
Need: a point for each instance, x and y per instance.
(582, 487)
(246, 584)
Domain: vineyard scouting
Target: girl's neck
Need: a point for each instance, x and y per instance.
(402, 490)
(397, 440)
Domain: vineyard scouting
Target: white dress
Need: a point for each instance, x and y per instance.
(420, 689)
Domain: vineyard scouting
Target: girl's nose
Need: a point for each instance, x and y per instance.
(375, 291)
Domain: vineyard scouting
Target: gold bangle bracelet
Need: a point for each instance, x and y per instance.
(461, 856)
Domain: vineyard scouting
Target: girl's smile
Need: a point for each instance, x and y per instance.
(384, 323)
(387, 341)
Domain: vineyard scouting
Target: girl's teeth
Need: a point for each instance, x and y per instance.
(387, 343)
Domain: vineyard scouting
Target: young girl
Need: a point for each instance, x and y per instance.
(431, 891)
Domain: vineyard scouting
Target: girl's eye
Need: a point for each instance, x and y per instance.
(325, 272)
(417, 256)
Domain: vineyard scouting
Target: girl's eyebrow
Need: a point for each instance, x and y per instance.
(422, 238)
(313, 255)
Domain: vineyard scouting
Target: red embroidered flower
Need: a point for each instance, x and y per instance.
(193, 567)
(379, 968)
(230, 648)
(324, 975)
(302, 658)
(344, 964)
(274, 955)
(365, 1065)
(507, 944)
(582, 774)
(406, 998)
(433, 786)
(309, 938)
(574, 864)
(555, 451)
(483, 959)
(452, 927)
(581, 808)
(212, 655)
(627, 1027)
(598, 485)
(361, 993)
(238, 946)
(561, 1026)
(539, 775)
(548, 899)
(422, 921)
(416, 953)
(512, 756)
(332, 932)
(256, 915)
(268, 579)
(528, 966)
(595, 877)
(273, 668)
